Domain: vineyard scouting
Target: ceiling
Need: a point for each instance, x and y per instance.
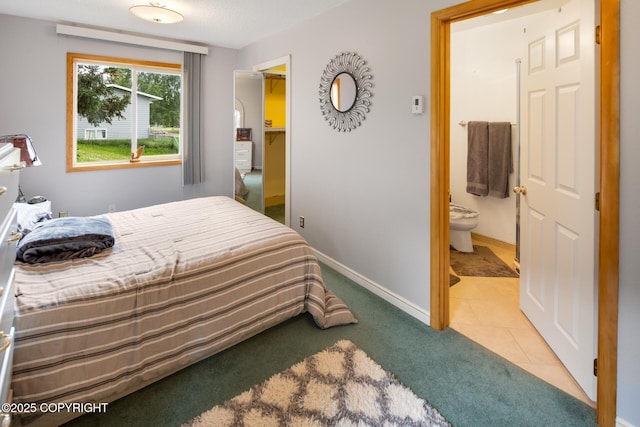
(223, 23)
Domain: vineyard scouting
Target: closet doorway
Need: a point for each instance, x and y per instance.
(262, 99)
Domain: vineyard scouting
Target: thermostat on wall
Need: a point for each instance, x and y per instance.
(417, 105)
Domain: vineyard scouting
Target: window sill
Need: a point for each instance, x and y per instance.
(123, 165)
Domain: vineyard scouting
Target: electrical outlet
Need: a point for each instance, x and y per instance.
(63, 214)
(301, 222)
(112, 207)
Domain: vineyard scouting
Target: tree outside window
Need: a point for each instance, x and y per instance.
(122, 113)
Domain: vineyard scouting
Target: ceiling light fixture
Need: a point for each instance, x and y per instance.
(156, 12)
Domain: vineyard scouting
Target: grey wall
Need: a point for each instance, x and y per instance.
(33, 91)
(629, 306)
(365, 194)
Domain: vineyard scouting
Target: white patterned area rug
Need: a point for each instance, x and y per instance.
(340, 386)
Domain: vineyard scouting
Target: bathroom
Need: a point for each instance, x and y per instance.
(484, 87)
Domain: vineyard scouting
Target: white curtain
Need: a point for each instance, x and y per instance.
(192, 159)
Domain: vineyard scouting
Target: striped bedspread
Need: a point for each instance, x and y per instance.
(183, 281)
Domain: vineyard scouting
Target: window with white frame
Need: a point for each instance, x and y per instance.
(122, 113)
(95, 133)
(238, 114)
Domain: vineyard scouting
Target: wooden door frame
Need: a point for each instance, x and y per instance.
(264, 66)
(609, 169)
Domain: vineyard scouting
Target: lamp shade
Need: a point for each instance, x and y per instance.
(155, 12)
(28, 155)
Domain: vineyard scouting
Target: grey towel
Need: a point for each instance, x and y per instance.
(500, 159)
(477, 158)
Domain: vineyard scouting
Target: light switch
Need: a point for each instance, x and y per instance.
(417, 105)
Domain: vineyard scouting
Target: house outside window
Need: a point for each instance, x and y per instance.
(109, 127)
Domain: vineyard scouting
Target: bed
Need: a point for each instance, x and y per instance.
(241, 189)
(183, 281)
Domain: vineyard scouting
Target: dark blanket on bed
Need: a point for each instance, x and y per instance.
(66, 238)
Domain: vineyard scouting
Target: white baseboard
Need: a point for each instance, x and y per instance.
(397, 300)
(622, 423)
(379, 290)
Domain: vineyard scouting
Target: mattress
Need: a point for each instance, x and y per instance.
(183, 281)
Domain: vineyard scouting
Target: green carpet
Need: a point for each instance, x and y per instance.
(467, 384)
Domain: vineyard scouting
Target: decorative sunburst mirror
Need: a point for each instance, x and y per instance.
(345, 95)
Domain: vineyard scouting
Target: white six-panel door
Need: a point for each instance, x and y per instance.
(558, 170)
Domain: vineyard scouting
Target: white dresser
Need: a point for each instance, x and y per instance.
(9, 175)
(242, 156)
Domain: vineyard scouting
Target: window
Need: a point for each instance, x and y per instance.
(115, 107)
(238, 115)
(95, 133)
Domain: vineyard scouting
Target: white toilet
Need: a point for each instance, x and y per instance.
(461, 221)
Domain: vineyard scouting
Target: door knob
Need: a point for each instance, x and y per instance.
(520, 190)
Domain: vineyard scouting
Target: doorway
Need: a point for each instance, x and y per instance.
(248, 137)
(485, 85)
(608, 82)
(279, 69)
(266, 182)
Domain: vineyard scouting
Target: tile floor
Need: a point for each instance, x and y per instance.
(486, 310)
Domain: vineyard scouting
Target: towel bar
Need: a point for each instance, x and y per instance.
(464, 124)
